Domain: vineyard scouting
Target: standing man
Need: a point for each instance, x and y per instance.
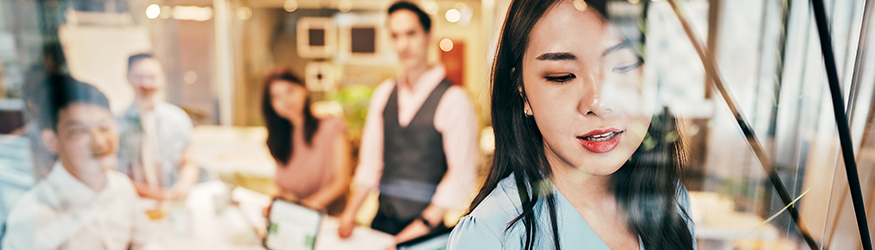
(155, 136)
(419, 145)
(83, 203)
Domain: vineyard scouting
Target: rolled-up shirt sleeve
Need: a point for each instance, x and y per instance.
(370, 167)
(456, 121)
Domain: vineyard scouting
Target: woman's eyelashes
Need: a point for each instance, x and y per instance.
(560, 78)
(626, 67)
(620, 68)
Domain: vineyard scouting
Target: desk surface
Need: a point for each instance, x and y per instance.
(224, 149)
(209, 222)
(716, 219)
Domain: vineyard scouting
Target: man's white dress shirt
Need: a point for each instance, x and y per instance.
(61, 212)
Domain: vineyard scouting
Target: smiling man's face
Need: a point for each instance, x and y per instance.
(86, 139)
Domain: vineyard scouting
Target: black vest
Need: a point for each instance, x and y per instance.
(413, 158)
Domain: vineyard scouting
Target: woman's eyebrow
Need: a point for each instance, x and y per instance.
(558, 56)
(619, 46)
(566, 56)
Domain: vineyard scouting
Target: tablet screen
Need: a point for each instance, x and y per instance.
(292, 226)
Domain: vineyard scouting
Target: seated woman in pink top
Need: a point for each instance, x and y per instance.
(312, 154)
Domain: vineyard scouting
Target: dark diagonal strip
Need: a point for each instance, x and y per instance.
(838, 108)
(745, 128)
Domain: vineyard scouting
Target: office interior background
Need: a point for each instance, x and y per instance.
(216, 53)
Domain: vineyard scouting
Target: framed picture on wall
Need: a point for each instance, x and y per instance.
(319, 77)
(362, 39)
(316, 37)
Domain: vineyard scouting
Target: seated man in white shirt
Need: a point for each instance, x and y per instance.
(84, 203)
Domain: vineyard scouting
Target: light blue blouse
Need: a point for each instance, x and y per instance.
(484, 228)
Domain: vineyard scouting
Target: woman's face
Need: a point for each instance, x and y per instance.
(288, 99)
(584, 87)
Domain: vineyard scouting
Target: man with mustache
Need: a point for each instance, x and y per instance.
(155, 136)
(83, 203)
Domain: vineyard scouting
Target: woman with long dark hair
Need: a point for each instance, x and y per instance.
(582, 160)
(312, 154)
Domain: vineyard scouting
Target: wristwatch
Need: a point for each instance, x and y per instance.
(426, 222)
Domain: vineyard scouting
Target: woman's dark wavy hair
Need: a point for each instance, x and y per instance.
(645, 187)
(279, 129)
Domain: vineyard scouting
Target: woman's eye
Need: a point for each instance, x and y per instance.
(627, 67)
(562, 78)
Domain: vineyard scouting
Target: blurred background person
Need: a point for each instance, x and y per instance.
(312, 153)
(419, 145)
(83, 203)
(155, 136)
(43, 75)
(24, 160)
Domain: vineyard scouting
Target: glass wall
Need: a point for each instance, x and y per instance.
(216, 56)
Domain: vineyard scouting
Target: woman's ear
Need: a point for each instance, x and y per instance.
(526, 107)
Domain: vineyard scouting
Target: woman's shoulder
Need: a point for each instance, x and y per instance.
(683, 196)
(502, 203)
(473, 233)
(486, 226)
(685, 211)
(683, 202)
(332, 125)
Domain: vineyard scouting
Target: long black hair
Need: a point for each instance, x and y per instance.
(279, 129)
(646, 186)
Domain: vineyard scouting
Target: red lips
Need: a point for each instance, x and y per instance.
(600, 141)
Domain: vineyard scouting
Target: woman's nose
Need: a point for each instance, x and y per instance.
(592, 102)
